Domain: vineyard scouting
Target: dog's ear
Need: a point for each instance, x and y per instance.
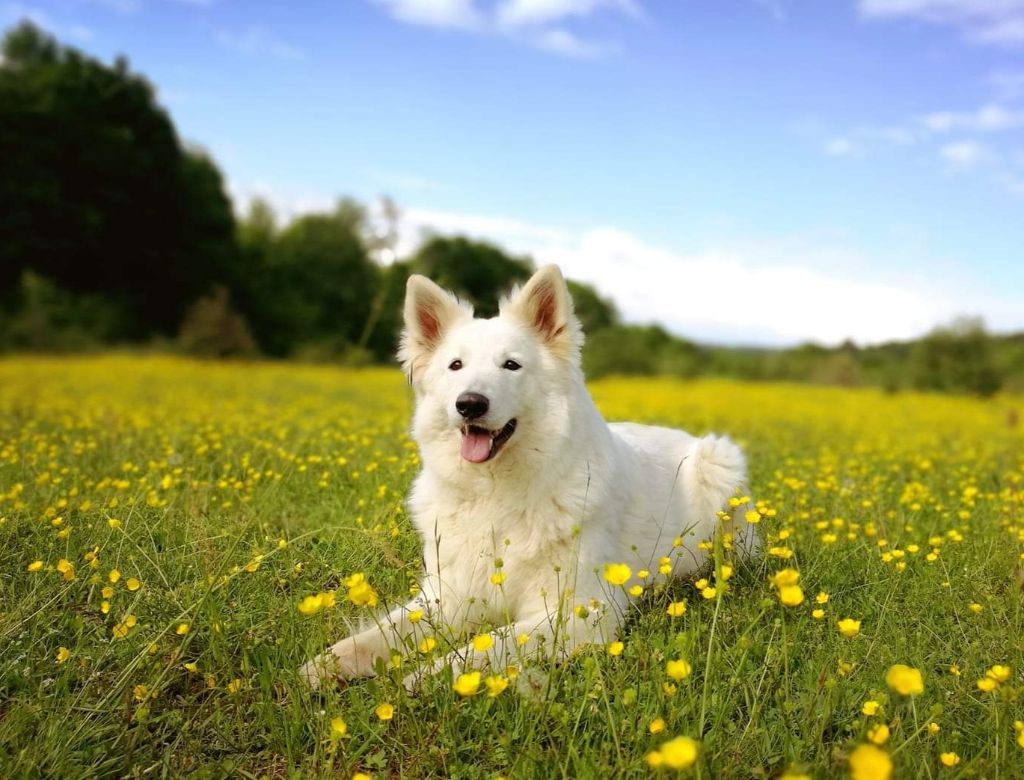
(545, 305)
(429, 312)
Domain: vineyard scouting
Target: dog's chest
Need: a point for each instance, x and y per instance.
(488, 549)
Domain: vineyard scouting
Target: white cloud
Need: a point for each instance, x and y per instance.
(16, 12)
(515, 13)
(989, 118)
(568, 44)
(758, 293)
(981, 21)
(964, 155)
(840, 147)
(460, 14)
(257, 41)
(537, 23)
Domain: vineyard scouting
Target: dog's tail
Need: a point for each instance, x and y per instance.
(715, 472)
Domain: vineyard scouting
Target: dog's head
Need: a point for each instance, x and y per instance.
(484, 386)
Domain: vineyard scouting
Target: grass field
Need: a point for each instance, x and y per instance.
(162, 520)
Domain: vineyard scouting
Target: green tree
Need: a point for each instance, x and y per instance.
(315, 285)
(593, 311)
(97, 193)
(474, 270)
(956, 358)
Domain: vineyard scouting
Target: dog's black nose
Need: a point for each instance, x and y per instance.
(472, 405)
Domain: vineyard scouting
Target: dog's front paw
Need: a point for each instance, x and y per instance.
(320, 671)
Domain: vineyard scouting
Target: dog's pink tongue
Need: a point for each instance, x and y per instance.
(476, 446)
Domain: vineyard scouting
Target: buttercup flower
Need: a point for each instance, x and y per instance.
(617, 573)
(869, 763)
(905, 680)
(467, 685)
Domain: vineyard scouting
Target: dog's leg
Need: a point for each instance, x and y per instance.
(355, 656)
(540, 634)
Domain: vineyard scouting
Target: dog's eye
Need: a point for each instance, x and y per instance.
(511, 365)
(455, 365)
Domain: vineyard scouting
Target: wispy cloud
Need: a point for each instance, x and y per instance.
(992, 117)
(800, 298)
(999, 22)
(964, 155)
(457, 14)
(16, 12)
(537, 23)
(258, 41)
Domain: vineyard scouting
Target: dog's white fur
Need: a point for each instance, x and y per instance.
(566, 495)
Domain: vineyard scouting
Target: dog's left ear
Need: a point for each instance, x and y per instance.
(545, 305)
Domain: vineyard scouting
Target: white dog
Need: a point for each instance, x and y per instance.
(526, 493)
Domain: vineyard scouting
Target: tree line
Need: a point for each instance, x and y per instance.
(116, 232)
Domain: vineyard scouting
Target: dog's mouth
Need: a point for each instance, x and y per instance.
(481, 444)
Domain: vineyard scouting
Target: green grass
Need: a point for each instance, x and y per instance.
(206, 467)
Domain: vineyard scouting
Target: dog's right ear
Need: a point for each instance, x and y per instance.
(429, 312)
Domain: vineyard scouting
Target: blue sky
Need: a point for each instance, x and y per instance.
(757, 171)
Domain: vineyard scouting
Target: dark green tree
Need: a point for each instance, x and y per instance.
(311, 284)
(97, 193)
(474, 270)
(956, 358)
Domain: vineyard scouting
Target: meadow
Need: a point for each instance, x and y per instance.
(177, 537)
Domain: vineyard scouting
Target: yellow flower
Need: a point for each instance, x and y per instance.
(791, 595)
(709, 593)
(821, 598)
(818, 614)
(987, 684)
(725, 573)
(636, 590)
(616, 648)
(362, 776)
(384, 711)
(339, 728)
(495, 684)
(467, 684)
(35, 566)
(678, 669)
(235, 686)
(498, 578)
(483, 643)
(133, 584)
(63, 654)
(849, 627)
(679, 753)
(657, 726)
(114, 576)
(879, 734)
(870, 707)
(905, 680)
(752, 516)
(416, 616)
(140, 692)
(428, 644)
(522, 639)
(617, 573)
(949, 759)
(869, 763)
(676, 609)
(107, 592)
(360, 592)
(191, 666)
(933, 728)
(67, 569)
(113, 522)
(954, 669)
(784, 578)
(791, 775)
(311, 605)
(182, 629)
(976, 608)
(999, 673)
